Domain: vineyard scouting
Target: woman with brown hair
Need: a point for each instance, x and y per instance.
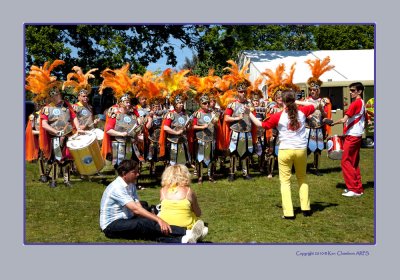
(292, 149)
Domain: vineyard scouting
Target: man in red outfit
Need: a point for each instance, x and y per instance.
(354, 123)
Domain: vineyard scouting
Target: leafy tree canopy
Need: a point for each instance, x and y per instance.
(102, 46)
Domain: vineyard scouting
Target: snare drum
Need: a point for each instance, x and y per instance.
(335, 147)
(85, 151)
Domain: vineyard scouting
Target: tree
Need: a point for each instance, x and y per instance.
(345, 37)
(218, 43)
(102, 46)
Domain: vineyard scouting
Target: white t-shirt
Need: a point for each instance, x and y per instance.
(290, 139)
(355, 124)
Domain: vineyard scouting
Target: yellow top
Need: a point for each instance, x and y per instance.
(177, 212)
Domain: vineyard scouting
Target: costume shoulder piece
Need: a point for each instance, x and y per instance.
(232, 105)
(197, 114)
(31, 117)
(325, 101)
(45, 110)
(112, 112)
(170, 115)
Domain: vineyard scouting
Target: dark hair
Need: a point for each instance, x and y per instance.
(126, 165)
(359, 86)
(289, 97)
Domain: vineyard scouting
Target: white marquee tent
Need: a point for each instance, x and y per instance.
(350, 65)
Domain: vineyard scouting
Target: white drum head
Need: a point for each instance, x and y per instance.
(99, 133)
(81, 140)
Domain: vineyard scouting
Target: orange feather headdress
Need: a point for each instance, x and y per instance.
(275, 80)
(79, 81)
(203, 86)
(255, 92)
(151, 87)
(238, 78)
(225, 93)
(317, 69)
(176, 85)
(279, 80)
(120, 81)
(288, 82)
(40, 81)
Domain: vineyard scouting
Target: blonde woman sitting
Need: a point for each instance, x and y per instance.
(179, 205)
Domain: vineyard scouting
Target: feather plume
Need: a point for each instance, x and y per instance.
(318, 68)
(222, 84)
(237, 76)
(203, 85)
(288, 82)
(149, 86)
(40, 81)
(275, 79)
(226, 98)
(175, 83)
(254, 89)
(120, 81)
(78, 80)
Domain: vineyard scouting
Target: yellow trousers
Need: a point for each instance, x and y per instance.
(286, 159)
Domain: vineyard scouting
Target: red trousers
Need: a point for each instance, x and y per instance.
(350, 163)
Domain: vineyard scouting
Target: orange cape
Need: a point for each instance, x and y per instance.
(31, 144)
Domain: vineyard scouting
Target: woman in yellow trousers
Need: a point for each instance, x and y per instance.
(292, 149)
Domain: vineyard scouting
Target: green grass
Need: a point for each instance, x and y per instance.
(238, 212)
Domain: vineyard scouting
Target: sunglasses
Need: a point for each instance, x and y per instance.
(205, 103)
(353, 89)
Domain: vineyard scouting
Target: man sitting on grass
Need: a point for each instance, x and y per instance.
(123, 216)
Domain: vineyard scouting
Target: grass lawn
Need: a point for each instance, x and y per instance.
(238, 212)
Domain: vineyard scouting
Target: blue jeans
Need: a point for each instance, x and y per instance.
(142, 228)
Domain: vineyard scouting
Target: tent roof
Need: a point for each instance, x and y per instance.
(350, 65)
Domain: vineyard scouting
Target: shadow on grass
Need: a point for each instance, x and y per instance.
(317, 206)
(367, 185)
(310, 169)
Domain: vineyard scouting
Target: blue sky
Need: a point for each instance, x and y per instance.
(181, 54)
(180, 57)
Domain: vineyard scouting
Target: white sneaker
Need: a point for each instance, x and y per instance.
(194, 234)
(352, 194)
(203, 234)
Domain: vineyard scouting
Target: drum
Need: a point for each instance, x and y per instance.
(85, 151)
(99, 134)
(335, 147)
